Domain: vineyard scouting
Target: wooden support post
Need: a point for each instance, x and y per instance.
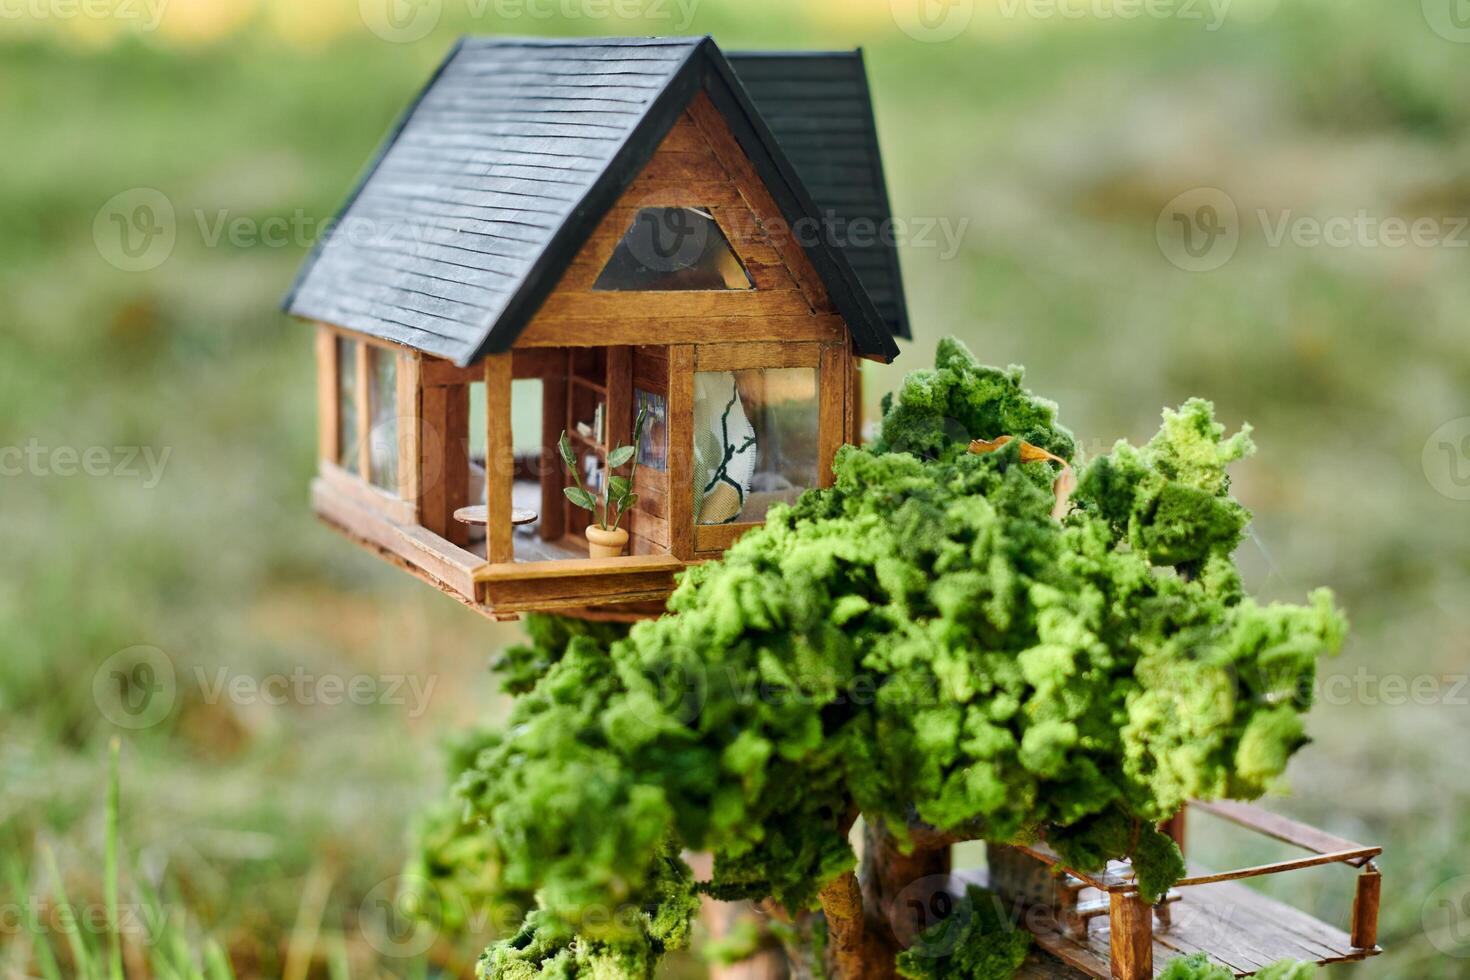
(1174, 827)
(1365, 908)
(832, 395)
(681, 451)
(408, 432)
(553, 478)
(1131, 932)
(326, 395)
(364, 414)
(500, 462)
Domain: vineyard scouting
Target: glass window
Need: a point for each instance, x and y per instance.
(673, 249)
(755, 441)
(383, 413)
(654, 446)
(347, 428)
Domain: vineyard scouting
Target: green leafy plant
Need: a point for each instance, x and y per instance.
(617, 491)
(922, 645)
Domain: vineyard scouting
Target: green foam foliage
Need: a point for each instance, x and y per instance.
(921, 640)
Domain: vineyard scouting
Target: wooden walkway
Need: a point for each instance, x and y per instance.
(1235, 926)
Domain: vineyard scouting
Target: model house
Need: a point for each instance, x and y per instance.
(570, 236)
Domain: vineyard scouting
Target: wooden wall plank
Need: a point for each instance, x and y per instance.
(681, 451)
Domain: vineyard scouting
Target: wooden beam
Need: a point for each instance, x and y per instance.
(499, 458)
(757, 354)
(1131, 932)
(680, 470)
(600, 331)
(326, 395)
(1274, 825)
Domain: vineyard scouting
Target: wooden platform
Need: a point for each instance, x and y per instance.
(1236, 926)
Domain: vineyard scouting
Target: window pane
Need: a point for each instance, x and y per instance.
(347, 430)
(755, 441)
(383, 406)
(653, 447)
(673, 249)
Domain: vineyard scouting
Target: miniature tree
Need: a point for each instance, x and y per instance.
(922, 646)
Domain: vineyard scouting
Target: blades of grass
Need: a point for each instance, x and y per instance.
(81, 956)
(308, 925)
(217, 962)
(37, 945)
(339, 967)
(114, 935)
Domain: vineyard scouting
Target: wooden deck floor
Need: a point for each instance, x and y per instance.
(1236, 926)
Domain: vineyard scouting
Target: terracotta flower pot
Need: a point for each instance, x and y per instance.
(606, 544)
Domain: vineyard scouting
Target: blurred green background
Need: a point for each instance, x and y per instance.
(1053, 143)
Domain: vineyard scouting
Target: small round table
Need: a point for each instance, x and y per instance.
(477, 514)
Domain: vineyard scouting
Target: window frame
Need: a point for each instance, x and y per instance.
(828, 360)
(401, 502)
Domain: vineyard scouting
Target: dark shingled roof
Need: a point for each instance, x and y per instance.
(495, 177)
(818, 105)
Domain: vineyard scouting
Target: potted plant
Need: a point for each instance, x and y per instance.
(605, 539)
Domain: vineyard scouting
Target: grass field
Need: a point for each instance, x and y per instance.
(1052, 144)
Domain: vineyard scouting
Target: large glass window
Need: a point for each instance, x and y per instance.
(673, 249)
(755, 441)
(383, 413)
(347, 428)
